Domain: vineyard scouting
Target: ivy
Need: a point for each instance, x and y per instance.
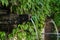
(4, 2)
(39, 9)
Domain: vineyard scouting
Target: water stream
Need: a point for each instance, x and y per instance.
(35, 29)
(43, 32)
(56, 29)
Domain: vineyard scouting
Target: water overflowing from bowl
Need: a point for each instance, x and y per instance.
(56, 29)
(35, 29)
(57, 33)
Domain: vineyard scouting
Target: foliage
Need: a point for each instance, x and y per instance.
(2, 36)
(57, 19)
(4, 2)
(55, 9)
(39, 9)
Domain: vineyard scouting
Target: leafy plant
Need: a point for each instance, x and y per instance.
(4, 2)
(55, 9)
(39, 9)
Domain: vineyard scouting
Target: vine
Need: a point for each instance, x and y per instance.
(39, 10)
